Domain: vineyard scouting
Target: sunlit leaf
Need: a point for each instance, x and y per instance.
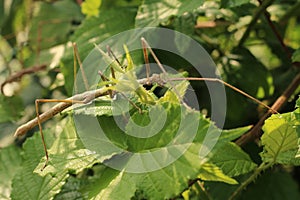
(10, 160)
(26, 184)
(232, 134)
(233, 3)
(210, 172)
(280, 140)
(97, 108)
(93, 31)
(154, 12)
(232, 160)
(52, 23)
(91, 7)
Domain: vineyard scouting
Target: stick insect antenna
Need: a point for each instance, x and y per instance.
(37, 101)
(111, 54)
(147, 46)
(228, 85)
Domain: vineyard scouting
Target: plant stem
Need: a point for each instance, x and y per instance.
(249, 180)
(255, 132)
(18, 75)
(257, 14)
(275, 31)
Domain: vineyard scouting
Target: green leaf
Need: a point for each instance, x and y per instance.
(52, 23)
(137, 151)
(68, 154)
(161, 184)
(28, 185)
(102, 177)
(232, 160)
(210, 172)
(97, 108)
(10, 108)
(70, 190)
(121, 187)
(155, 12)
(232, 134)
(233, 3)
(178, 89)
(10, 161)
(95, 30)
(91, 7)
(280, 140)
(296, 56)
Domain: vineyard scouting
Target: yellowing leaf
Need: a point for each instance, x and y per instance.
(91, 7)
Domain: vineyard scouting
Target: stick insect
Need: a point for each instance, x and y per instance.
(126, 82)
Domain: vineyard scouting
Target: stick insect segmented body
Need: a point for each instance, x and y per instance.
(122, 80)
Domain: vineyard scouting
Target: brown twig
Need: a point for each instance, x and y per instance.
(255, 132)
(265, 4)
(18, 75)
(276, 32)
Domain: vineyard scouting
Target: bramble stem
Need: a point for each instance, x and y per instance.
(250, 179)
(256, 132)
(265, 4)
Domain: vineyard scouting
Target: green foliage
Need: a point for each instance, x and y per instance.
(8, 169)
(296, 56)
(280, 141)
(10, 108)
(50, 17)
(153, 13)
(107, 161)
(233, 3)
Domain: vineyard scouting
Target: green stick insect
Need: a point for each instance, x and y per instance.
(122, 80)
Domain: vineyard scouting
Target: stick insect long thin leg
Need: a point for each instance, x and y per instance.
(144, 42)
(37, 101)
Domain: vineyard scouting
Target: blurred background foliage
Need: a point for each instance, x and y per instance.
(255, 45)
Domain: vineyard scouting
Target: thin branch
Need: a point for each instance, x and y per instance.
(259, 11)
(255, 132)
(18, 75)
(275, 31)
(250, 179)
